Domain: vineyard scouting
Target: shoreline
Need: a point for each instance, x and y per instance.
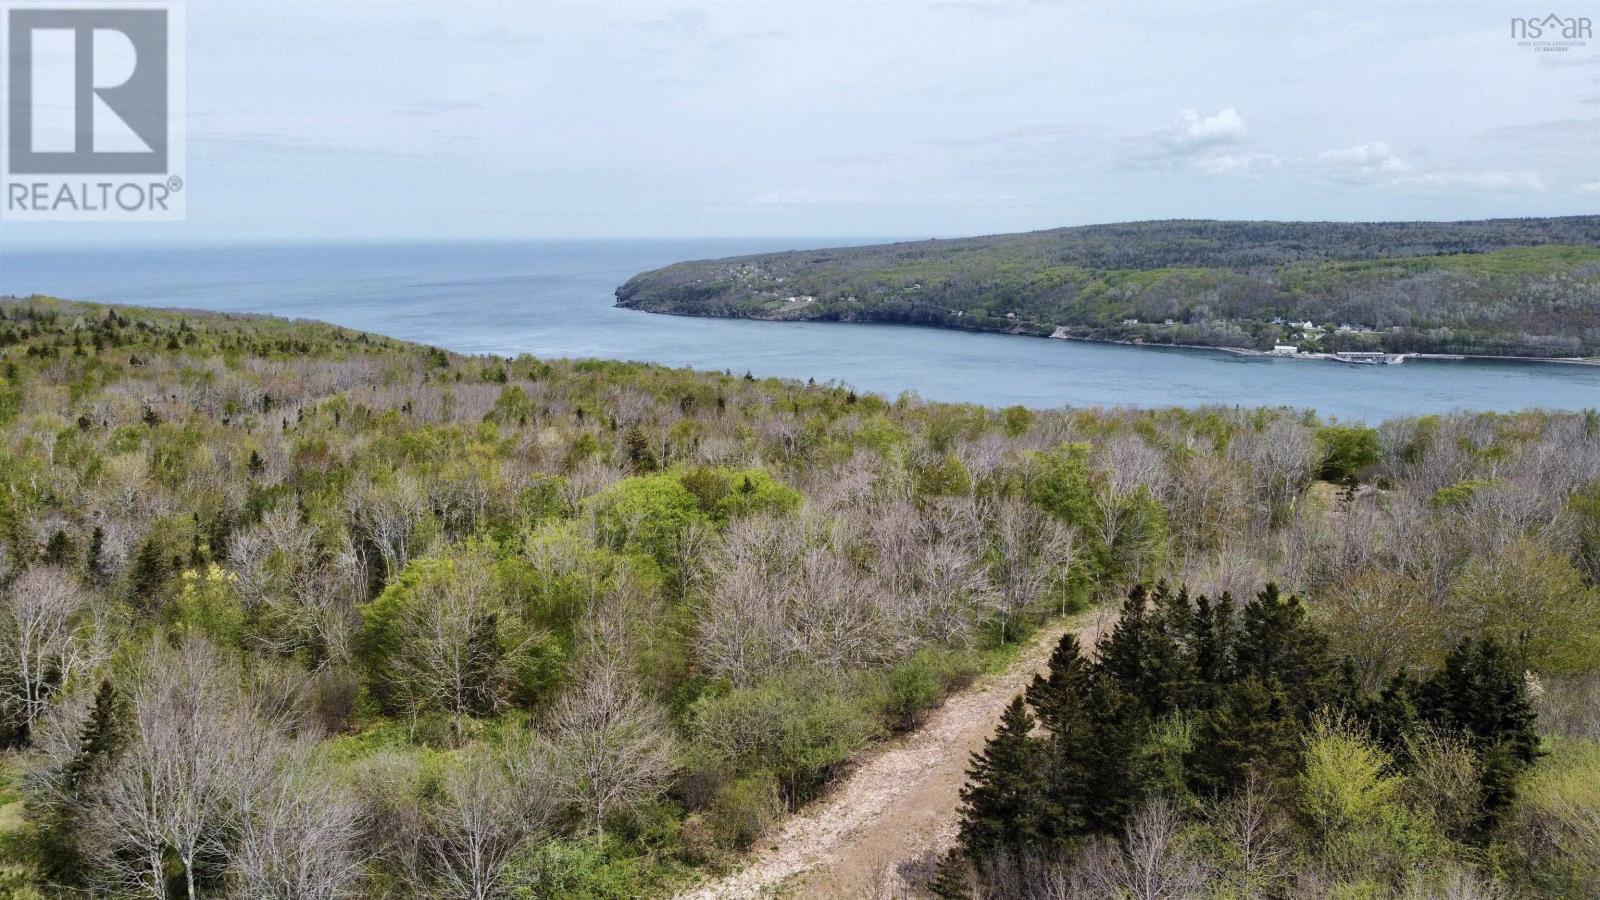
(1023, 330)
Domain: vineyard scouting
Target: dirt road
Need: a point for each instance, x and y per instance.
(897, 804)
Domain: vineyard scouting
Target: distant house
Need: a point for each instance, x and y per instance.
(1285, 350)
(1130, 321)
(1277, 320)
(1167, 322)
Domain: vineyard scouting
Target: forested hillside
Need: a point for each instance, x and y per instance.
(1526, 287)
(289, 611)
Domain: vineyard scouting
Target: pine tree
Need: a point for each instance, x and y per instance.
(98, 743)
(97, 549)
(1063, 691)
(1213, 645)
(1000, 804)
(150, 570)
(58, 550)
(1144, 660)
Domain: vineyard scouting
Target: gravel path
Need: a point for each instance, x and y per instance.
(897, 804)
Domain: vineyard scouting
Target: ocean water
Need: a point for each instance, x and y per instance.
(554, 299)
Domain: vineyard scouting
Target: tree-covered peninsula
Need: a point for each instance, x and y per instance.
(1518, 287)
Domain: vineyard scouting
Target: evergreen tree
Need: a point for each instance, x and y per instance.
(1214, 632)
(99, 741)
(1482, 693)
(1144, 659)
(1277, 643)
(96, 562)
(640, 457)
(1090, 759)
(1000, 804)
(1251, 729)
(150, 570)
(58, 550)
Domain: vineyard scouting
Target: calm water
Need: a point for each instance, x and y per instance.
(554, 299)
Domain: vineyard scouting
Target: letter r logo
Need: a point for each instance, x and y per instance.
(87, 91)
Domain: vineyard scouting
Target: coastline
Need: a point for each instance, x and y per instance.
(1036, 330)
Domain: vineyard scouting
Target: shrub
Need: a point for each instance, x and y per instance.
(744, 809)
(798, 727)
(1346, 451)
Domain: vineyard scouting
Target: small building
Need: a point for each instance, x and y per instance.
(1167, 322)
(1130, 321)
(1285, 350)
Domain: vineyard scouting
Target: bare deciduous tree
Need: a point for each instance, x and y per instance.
(491, 804)
(191, 749)
(46, 635)
(297, 836)
(612, 747)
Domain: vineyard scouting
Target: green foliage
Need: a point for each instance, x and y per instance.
(583, 869)
(1529, 597)
(744, 809)
(646, 514)
(1440, 287)
(1000, 808)
(726, 494)
(1347, 450)
(945, 477)
(1351, 801)
(798, 728)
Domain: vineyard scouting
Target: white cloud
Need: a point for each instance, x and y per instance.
(1592, 187)
(1484, 181)
(1225, 127)
(1238, 163)
(1191, 135)
(1372, 159)
(804, 197)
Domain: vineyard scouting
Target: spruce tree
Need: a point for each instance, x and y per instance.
(1277, 643)
(1000, 804)
(98, 743)
(640, 457)
(1089, 760)
(1143, 658)
(1482, 693)
(1251, 729)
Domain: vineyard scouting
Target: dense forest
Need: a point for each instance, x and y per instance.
(290, 611)
(1522, 287)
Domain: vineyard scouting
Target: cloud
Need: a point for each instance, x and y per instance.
(1238, 163)
(1192, 135)
(1516, 182)
(805, 198)
(1592, 187)
(1374, 159)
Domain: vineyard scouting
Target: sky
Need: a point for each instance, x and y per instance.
(456, 120)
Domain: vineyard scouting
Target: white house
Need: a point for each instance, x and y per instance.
(1285, 350)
